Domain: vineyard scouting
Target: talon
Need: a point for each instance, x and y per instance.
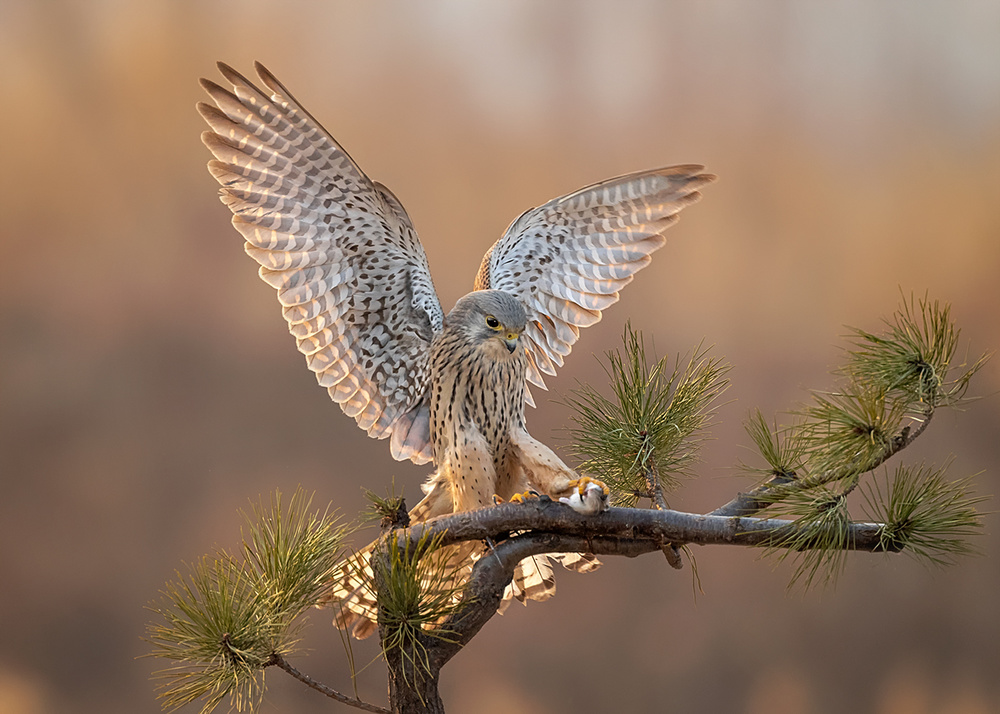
(528, 495)
(588, 496)
(497, 500)
(581, 484)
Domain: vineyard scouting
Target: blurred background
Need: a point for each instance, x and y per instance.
(148, 390)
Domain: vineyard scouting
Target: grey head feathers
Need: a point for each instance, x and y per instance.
(473, 309)
(483, 315)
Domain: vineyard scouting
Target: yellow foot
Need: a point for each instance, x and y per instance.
(522, 497)
(497, 500)
(588, 496)
(584, 482)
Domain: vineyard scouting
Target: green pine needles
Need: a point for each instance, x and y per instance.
(891, 385)
(911, 359)
(419, 585)
(389, 510)
(649, 433)
(230, 618)
(925, 514)
(214, 632)
(640, 440)
(819, 537)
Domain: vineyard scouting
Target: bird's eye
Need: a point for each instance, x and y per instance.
(492, 322)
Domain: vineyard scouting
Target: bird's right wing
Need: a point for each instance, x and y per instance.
(568, 259)
(351, 275)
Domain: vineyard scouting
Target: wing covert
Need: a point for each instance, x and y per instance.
(568, 259)
(351, 274)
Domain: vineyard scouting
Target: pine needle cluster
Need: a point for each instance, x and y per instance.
(229, 618)
(818, 540)
(892, 383)
(389, 510)
(650, 430)
(924, 514)
(418, 587)
(912, 358)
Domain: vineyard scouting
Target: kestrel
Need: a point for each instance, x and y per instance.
(354, 285)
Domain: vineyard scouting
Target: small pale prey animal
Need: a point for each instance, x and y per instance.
(589, 497)
(356, 291)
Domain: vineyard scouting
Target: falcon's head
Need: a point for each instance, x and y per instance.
(490, 317)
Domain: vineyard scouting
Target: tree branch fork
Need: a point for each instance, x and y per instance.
(515, 531)
(521, 530)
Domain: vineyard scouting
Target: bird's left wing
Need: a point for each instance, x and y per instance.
(351, 275)
(567, 260)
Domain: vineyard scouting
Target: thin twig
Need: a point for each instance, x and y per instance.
(282, 663)
(746, 504)
(670, 551)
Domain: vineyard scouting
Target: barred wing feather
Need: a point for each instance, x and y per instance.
(568, 259)
(351, 274)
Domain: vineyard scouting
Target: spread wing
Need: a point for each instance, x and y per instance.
(568, 259)
(351, 275)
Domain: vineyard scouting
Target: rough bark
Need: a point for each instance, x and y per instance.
(411, 692)
(649, 528)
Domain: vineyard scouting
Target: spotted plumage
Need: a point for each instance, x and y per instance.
(355, 288)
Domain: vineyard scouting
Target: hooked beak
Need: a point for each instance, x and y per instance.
(511, 341)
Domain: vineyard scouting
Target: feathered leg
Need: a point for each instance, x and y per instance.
(534, 466)
(537, 466)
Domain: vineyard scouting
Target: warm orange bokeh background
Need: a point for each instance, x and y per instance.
(148, 388)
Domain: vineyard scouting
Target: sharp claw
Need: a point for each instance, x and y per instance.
(583, 482)
(528, 495)
(588, 496)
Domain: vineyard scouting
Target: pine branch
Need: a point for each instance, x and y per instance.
(554, 528)
(785, 481)
(230, 618)
(895, 382)
(282, 663)
(651, 527)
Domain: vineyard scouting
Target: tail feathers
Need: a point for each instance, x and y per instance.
(351, 593)
(534, 579)
(578, 562)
